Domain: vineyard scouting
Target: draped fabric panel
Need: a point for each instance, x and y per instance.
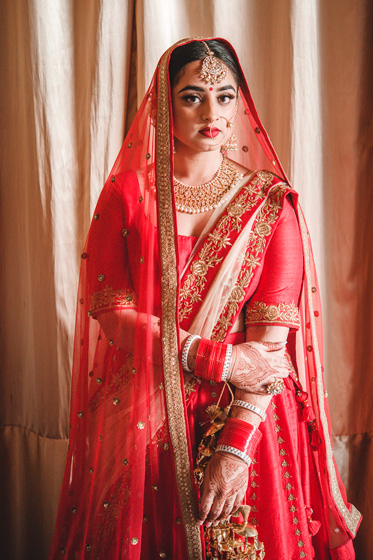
(73, 73)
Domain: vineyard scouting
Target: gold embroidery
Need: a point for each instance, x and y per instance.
(352, 517)
(172, 382)
(268, 214)
(259, 312)
(109, 298)
(218, 239)
(117, 381)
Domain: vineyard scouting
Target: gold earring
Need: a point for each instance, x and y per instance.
(231, 144)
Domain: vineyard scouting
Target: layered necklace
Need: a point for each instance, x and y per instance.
(194, 199)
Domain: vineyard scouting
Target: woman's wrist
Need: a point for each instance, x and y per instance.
(240, 439)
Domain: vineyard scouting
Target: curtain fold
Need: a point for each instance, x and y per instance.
(72, 74)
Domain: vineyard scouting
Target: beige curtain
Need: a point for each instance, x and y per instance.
(72, 74)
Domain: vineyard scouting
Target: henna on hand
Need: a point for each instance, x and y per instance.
(224, 486)
(253, 366)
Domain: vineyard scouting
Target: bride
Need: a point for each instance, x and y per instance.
(198, 310)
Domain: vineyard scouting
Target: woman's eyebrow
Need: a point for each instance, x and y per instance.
(194, 88)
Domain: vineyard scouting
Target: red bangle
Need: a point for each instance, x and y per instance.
(240, 435)
(210, 360)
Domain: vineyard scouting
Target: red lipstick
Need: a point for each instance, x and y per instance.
(209, 132)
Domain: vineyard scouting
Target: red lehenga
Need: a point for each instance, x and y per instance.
(128, 490)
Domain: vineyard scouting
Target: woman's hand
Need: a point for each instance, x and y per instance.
(224, 487)
(255, 365)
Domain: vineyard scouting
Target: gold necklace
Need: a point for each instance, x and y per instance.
(195, 199)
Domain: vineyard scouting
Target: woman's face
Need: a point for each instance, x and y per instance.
(197, 105)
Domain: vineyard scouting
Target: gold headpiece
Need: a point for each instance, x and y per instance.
(213, 70)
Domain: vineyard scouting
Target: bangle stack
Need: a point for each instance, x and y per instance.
(240, 439)
(185, 352)
(251, 407)
(213, 360)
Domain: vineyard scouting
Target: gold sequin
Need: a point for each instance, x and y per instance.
(96, 217)
(99, 381)
(314, 289)
(62, 551)
(162, 555)
(125, 462)
(116, 401)
(106, 505)
(178, 520)
(213, 394)
(148, 156)
(101, 277)
(141, 199)
(80, 414)
(134, 540)
(142, 260)
(129, 145)
(125, 232)
(134, 370)
(74, 510)
(91, 470)
(257, 130)
(166, 447)
(309, 348)
(145, 518)
(113, 179)
(88, 547)
(155, 487)
(141, 425)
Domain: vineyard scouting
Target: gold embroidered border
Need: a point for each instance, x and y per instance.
(218, 239)
(260, 312)
(173, 392)
(107, 298)
(352, 517)
(268, 214)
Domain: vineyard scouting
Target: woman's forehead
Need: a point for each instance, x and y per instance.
(190, 74)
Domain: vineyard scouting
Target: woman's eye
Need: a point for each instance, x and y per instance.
(226, 98)
(192, 99)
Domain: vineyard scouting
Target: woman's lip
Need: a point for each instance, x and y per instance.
(209, 132)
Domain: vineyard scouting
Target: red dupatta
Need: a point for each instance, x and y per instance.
(128, 488)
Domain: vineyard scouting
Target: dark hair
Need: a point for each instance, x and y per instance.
(196, 50)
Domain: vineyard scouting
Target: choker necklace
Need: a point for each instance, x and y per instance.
(195, 199)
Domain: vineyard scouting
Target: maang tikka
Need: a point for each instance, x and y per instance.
(213, 69)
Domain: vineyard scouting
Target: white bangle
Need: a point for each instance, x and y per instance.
(251, 407)
(227, 362)
(234, 451)
(185, 352)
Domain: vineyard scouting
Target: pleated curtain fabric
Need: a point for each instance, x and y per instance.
(72, 73)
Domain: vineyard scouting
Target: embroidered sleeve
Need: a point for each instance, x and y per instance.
(275, 299)
(282, 314)
(108, 272)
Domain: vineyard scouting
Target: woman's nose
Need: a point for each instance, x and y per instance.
(209, 112)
